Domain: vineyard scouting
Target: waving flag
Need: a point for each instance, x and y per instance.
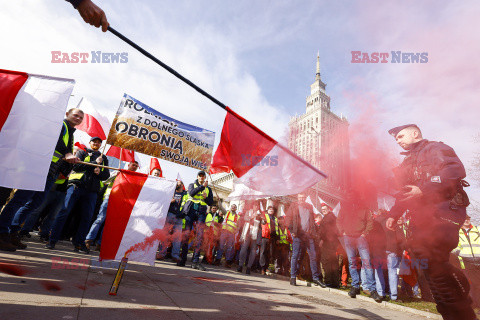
(127, 155)
(262, 165)
(31, 111)
(137, 209)
(336, 210)
(309, 201)
(95, 124)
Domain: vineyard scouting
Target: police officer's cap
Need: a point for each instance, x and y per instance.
(201, 173)
(95, 138)
(396, 130)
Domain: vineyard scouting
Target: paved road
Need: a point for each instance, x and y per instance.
(33, 287)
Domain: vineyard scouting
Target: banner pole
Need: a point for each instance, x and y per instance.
(120, 162)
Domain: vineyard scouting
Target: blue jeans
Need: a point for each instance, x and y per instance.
(21, 205)
(378, 266)
(197, 242)
(97, 224)
(297, 246)
(393, 261)
(177, 238)
(54, 202)
(352, 245)
(87, 201)
(227, 245)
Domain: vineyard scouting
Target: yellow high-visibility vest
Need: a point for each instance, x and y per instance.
(66, 136)
(267, 219)
(283, 236)
(198, 198)
(468, 245)
(79, 175)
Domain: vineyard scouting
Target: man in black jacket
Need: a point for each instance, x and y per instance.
(430, 183)
(25, 201)
(301, 224)
(329, 235)
(195, 210)
(83, 186)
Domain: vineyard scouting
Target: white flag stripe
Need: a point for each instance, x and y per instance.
(31, 131)
(309, 201)
(336, 210)
(321, 200)
(289, 176)
(148, 214)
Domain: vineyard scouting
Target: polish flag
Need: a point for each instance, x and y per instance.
(127, 155)
(94, 124)
(321, 200)
(336, 210)
(155, 164)
(32, 108)
(137, 209)
(309, 201)
(263, 166)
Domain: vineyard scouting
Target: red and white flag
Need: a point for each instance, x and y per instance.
(136, 213)
(94, 123)
(126, 155)
(309, 201)
(262, 165)
(32, 108)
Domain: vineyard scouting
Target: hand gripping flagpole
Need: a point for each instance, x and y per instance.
(207, 95)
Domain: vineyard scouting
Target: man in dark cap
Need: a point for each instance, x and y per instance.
(83, 186)
(195, 211)
(430, 183)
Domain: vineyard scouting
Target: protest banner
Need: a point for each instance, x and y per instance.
(141, 128)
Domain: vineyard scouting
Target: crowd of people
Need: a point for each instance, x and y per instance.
(419, 238)
(322, 248)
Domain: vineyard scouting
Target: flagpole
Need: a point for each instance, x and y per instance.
(97, 165)
(208, 96)
(103, 150)
(213, 186)
(79, 102)
(120, 162)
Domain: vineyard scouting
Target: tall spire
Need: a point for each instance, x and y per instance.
(317, 75)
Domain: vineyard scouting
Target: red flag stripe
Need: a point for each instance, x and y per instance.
(10, 83)
(127, 155)
(242, 146)
(122, 199)
(91, 126)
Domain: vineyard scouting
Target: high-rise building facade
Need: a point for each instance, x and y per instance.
(321, 137)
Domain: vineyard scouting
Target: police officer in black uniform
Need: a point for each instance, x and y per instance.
(431, 189)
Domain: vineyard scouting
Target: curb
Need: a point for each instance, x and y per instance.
(385, 304)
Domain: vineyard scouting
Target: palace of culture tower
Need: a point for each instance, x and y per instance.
(321, 137)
